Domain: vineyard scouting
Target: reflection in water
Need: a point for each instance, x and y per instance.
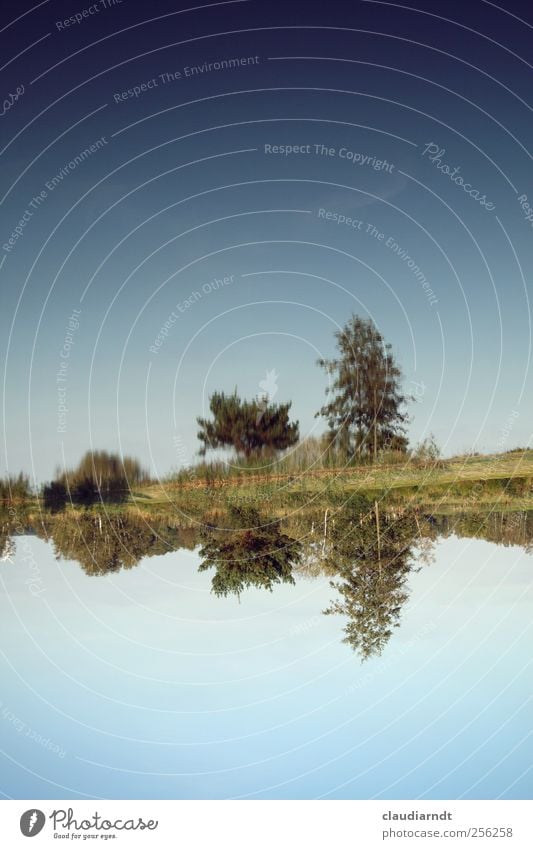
(103, 544)
(368, 554)
(7, 543)
(107, 543)
(100, 542)
(14, 521)
(502, 528)
(250, 552)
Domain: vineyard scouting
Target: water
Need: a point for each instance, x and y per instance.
(142, 683)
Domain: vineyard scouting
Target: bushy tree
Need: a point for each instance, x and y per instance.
(365, 411)
(100, 476)
(253, 552)
(250, 427)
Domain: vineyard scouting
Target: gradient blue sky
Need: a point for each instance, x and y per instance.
(152, 687)
(182, 192)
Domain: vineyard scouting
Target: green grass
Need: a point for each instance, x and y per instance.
(459, 484)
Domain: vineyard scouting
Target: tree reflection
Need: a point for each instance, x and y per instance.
(104, 543)
(7, 544)
(14, 521)
(251, 552)
(367, 553)
(503, 528)
(373, 555)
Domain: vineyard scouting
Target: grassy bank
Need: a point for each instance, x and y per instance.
(462, 483)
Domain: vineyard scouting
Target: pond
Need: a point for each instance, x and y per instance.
(163, 664)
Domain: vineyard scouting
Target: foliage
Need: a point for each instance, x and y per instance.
(426, 452)
(99, 476)
(364, 413)
(15, 488)
(104, 542)
(253, 551)
(311, 453)
(372, 556)
(55, 496)
(250, 427)
(507, 529)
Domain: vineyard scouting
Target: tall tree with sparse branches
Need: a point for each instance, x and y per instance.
(365, 410)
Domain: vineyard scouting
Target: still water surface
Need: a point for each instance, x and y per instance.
(143, 683)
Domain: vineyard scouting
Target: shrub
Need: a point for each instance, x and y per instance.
(427, 452)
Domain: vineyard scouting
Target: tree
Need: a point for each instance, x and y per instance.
(55, 496)
(250, 427)
(15, 488)
(101, 476)
(364, 412)
(372, 556)
(253, 552)
(103, 542)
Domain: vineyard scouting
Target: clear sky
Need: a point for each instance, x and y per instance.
(142, 684)
(185, 187)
